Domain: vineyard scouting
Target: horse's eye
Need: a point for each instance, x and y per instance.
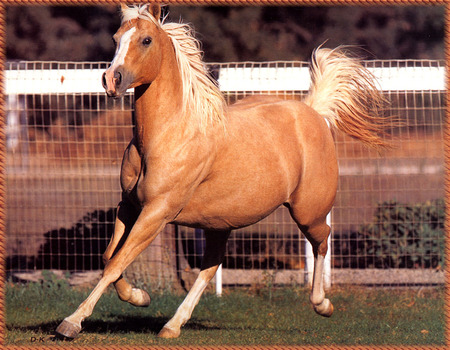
(147, 41)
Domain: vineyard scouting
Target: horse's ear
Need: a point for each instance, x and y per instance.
(155, 10)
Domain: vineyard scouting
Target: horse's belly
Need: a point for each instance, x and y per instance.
(220, 217)
(225, 205)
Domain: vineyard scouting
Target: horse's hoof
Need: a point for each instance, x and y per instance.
(168, 333)
(325, 308)
(67, 330)
(139, 297)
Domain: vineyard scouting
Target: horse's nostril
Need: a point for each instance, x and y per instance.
(104, 80)
(118, 78)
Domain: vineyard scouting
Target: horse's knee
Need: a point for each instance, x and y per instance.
(111, 273)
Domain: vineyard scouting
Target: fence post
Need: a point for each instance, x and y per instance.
(219, 281)
(309, 262)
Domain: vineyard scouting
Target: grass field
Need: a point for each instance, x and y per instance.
(264, 316)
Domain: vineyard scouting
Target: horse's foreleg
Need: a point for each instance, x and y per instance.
(71, 326)
(146, 228)
(213, 256)
(321, 305)
(127, 215)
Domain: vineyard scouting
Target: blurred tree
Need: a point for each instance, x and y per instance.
(60, 33)
(291, 33)
(256, 33)
(401, 32)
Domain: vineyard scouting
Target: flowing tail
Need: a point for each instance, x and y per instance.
(344, 93)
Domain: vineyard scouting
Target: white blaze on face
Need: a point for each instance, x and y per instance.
(122, 49)
(119, 58)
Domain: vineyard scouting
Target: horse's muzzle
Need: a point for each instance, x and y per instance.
(114, 83)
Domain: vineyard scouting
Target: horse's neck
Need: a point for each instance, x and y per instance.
(158, 106)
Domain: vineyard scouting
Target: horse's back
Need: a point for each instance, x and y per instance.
(285, 118)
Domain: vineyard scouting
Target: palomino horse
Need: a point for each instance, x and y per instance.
(195, 161)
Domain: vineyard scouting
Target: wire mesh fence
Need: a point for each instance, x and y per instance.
(65, 141)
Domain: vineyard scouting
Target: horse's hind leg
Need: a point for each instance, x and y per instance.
(213, 256)
(317, 235)
(126, 217)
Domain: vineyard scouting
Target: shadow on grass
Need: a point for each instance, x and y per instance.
(138, 324)
(122, 325)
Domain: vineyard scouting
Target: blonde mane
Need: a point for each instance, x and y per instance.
(201, 96)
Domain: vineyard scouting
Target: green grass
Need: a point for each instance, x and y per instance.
(363, 316)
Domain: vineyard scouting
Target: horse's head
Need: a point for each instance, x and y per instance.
(138, 50)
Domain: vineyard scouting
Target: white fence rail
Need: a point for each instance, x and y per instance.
(245, 79)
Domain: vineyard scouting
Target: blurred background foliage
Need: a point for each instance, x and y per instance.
(255, 33)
